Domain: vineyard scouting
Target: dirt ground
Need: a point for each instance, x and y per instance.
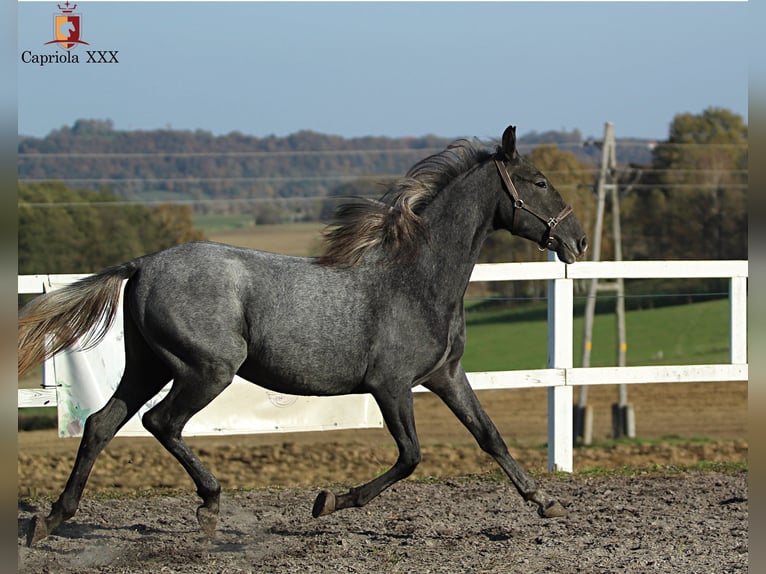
(456, 514)
(679, 523)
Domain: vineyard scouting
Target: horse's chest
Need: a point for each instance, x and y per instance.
(443, 346)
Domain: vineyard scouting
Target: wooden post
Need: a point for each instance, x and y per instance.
(627, 419)
(584, 423)
(590, 303)
(606, 182)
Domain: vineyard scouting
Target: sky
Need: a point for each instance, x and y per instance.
(391, 69)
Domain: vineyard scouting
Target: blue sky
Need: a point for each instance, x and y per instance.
(394, 69)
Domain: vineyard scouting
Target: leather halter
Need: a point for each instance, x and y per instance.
(518, 205)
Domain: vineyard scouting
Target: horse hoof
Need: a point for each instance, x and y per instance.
(552, 510)
(37, 530)
(324, 504)
(207, 520)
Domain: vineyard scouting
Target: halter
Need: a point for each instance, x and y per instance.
(518, 205)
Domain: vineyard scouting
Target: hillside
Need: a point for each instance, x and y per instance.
(220, 173)
(684, 198)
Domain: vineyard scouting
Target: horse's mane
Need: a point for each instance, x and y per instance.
(394, 220)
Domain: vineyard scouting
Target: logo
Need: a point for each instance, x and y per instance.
(67, 27)
(280, 400)
(67, 34)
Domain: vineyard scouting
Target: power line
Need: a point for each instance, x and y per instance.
(377, 151)
(346, 177)
(253, 179)
(255, 154)
(308, 198)
(201, 201)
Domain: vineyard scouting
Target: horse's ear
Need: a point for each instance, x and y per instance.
(509, 141)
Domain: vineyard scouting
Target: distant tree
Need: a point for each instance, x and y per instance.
(269, 213)
(173, 225)
(92, 127)
(692, 204)
(62, 230)
(552, 137)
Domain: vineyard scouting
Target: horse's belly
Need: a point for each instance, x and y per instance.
(304, 375)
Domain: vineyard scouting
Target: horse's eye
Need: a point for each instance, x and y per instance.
(541, 184)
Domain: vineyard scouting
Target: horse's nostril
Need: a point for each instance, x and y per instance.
(583, 244)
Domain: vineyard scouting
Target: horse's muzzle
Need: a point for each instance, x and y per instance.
(569, 251)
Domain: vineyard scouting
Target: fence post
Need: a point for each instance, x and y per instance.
(738, 320)
(560, 320)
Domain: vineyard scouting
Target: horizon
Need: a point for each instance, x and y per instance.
(266, 136)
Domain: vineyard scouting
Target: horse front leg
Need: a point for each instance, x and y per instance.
(398, 413)
(452, 386)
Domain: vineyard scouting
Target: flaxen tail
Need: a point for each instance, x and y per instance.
(81, 311)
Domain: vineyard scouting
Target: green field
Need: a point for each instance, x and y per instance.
(516, 338)
(214, 223)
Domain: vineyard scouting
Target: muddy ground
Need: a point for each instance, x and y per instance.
(456, 514)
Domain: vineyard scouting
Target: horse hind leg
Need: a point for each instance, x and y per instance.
(139, 383)
(453, 388)
(166, 421)
(398, 413)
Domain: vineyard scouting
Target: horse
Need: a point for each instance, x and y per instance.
(379, 311)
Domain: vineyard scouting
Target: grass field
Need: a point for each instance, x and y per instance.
(215, 223)
(685, 334)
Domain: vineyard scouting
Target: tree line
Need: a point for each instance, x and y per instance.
(682, 198)
(277, 179)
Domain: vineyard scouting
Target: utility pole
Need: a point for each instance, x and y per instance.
(623, 422)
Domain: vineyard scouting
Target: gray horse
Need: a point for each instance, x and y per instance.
(380, 312)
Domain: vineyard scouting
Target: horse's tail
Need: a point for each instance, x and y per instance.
(83, 310)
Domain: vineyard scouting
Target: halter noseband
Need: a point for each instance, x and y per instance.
(518, 205)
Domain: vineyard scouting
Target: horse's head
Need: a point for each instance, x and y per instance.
(532, 208)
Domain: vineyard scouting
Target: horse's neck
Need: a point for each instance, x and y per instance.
(458, 221)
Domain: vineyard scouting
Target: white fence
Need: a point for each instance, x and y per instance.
(560, 376)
